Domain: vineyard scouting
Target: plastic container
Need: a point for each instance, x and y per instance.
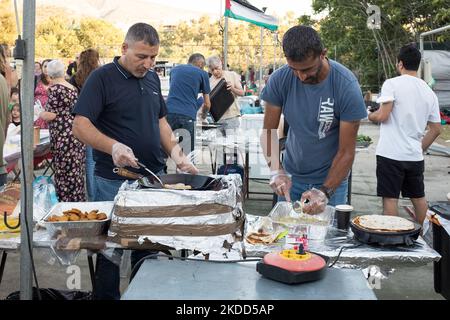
(316, 226)
(441, 243)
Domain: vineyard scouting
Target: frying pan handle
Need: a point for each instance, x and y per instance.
(127, 173)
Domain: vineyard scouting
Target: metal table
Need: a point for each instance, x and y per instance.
(197, 280)
(352, 254)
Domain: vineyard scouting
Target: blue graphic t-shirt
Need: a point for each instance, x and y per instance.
(313, 112)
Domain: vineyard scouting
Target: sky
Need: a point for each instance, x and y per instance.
(216, 7)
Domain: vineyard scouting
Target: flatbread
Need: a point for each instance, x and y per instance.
(177, 186)
(260, 238)
(384, 223)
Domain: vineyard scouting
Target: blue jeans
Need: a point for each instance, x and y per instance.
(90, 181)
(180, 121)
(340, 196)
(107, 273)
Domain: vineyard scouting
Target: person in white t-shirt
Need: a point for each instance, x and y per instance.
(407, 107)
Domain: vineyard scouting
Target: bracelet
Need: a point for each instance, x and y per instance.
(329, 192)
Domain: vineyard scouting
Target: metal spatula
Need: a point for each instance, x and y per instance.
(151, 172)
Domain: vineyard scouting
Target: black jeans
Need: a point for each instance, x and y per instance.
(107, 274)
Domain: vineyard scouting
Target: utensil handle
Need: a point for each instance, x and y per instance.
(127, 173)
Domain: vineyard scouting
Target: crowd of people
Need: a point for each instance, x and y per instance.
(114, 115)
(55, 94)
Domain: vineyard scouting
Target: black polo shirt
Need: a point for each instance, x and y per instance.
(126, 109)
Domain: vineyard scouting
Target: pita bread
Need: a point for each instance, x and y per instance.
(260, 238)
(384, 223)
(177, 186)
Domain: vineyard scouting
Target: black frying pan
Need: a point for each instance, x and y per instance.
(386, 238)
(197, 182)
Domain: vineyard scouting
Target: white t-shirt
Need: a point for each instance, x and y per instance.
(415, 104)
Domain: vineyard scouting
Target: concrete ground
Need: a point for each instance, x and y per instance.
(404, 283)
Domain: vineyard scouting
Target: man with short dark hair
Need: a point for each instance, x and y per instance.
(121, 113)
(407, 106)
(322, 102)
(187, 81)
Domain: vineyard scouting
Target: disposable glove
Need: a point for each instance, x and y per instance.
(314, 201)
(281, 184)
(123, 156)
(187, 167)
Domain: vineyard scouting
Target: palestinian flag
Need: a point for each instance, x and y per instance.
(243, 10)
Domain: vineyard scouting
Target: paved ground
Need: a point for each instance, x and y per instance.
(404, 283)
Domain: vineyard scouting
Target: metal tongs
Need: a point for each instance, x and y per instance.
(143, 166)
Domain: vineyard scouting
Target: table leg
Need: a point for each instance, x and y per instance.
(2, 265)
(91, 269)
(213, 161)
(49, 166)
(247, 174)
(349, 190)
(16, 172)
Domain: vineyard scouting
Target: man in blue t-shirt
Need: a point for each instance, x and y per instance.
(322, 102)
(121, 113)
(187, 81)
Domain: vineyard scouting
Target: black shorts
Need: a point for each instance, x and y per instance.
(394, 176)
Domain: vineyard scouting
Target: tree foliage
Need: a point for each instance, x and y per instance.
(58, 38)
(8, 29)
(206, 37)
(371, 54)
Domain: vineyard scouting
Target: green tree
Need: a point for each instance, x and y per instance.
(371, 54)
(56, 39)
(100, 35)
(7, 23)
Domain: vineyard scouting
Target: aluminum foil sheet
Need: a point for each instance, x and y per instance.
(130, 196)
(353, 254)
(206, 245)
(135, 207)
(224, 218)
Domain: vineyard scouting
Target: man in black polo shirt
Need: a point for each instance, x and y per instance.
(121, 113)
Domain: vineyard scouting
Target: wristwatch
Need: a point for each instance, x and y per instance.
(329, 192)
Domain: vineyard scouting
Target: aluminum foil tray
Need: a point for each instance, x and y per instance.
(78, 229)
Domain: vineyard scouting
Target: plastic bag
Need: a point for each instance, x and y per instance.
(38, 108)
(44, 196)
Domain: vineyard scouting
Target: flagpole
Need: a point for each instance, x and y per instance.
(261, 56)
(261, 61)
(225, 45)
(274, 50)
